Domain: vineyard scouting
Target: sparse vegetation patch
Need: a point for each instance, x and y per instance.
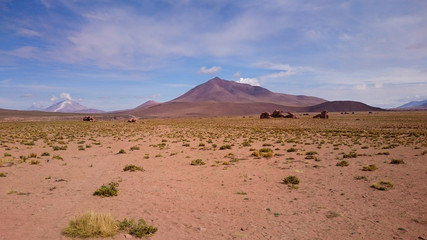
(383, 185)
(109, 190)
(132, 168)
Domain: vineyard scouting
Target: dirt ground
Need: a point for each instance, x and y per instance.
(236, 194)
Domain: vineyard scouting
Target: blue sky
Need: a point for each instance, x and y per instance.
(113, 55)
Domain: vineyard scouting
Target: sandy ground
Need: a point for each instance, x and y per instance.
(245, 199)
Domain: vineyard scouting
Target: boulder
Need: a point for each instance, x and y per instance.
(277, 114)
(291, 115)
(323, 114)
(88, 119)
(265, 115)
(132, 120)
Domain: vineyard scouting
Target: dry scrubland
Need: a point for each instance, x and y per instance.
(360, 176)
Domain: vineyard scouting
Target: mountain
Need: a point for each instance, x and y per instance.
(218, 97)
(342, 106)
(70, 106)
(219, 90)
(414, 105)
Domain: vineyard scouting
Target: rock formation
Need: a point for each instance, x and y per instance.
(88, 119)
(323, 114)
(265, 115)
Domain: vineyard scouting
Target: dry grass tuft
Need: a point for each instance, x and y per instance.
(91, 224)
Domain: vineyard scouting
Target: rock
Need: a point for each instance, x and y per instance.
(265, 115)
(128, 236)
(132, 120)
(291, 115)
(277, 114)
(323, 114)
(88, 119)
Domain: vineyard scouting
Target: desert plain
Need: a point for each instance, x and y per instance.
(234, 189)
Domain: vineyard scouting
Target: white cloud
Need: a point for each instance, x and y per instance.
(65, 96)
(23, 52)
(345, 37)
(360, 86)
(28, 33)
(209, 71)
(250, 81)
(53, 98)
(236, 74)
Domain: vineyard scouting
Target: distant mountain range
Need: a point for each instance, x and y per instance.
(68, 106)
(218, 97)
(414, 105)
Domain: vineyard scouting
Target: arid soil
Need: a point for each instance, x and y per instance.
(52, 168)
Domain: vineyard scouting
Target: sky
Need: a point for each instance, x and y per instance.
(114, 55)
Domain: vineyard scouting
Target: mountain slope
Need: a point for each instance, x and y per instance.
(218, 97)
(147, 104)
(219, 90)
(414, 105)
(342, 106)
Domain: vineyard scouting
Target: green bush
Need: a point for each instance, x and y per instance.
(223, 147)
(107, 190)
(138, 229)
(343, 163)
(350, 155)
(397, 161)
(197, 162)
(294, 180)
(132, 168)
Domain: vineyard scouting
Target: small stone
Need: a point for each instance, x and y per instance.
(128, 236)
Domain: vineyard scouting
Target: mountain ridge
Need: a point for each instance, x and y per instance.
(218, 97)
(220, 90)
(414, 105)
(70, 106)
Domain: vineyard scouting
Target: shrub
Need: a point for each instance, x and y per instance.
(397, 161)
(369, 168)
(223, 147)
(57, 148)
(2, 174)
(291, 150)
(197, 162)
(121, 151)
(57, 157)
(138, 229)
(133, 148)
(311, 153)
(107, 190)
(45, 154)
(343, 163)
(34, 162)
(266, 152)
(383, 185)
(7, 155)
(132, 168)
(90, 225)
(256, 154)
(361, 178)
(350, 155)
(294, 180)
